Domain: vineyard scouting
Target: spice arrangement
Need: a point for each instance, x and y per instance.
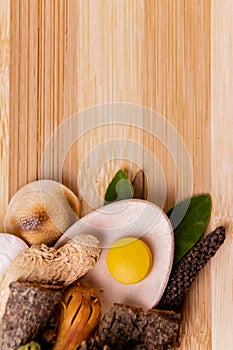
(114, 279)
(137, 255)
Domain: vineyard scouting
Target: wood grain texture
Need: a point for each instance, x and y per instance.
(23, 93)
(69, 55)
(222, 170)
(4, 105)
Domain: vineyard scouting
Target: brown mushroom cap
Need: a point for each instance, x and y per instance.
(41, 211)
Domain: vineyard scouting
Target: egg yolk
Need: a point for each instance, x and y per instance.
(129, 260)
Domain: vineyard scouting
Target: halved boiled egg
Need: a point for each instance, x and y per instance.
(137, 252)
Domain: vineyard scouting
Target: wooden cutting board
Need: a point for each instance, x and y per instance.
(59, 58)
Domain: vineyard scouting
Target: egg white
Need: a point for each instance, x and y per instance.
(128, 218)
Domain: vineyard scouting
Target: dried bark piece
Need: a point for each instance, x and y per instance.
(27, 311)
(127, 327)
(186, 270)
(47, 265)
(140, 185)
(160, 330)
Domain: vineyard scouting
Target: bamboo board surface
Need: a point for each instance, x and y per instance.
(4, 105)
(172, 57)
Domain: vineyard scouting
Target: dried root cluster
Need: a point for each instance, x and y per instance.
(34, 283)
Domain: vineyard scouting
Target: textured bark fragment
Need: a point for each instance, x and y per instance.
(27, 311)
(127, 327)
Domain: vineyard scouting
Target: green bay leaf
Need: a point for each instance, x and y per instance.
(196, 214)
(119, 188)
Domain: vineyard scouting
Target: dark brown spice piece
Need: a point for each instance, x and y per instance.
(27, 311)
(126, 327)
(140, 185)
(130, 328)
(186, 270)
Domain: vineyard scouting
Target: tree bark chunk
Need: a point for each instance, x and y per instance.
(127, 327)
(27, 311)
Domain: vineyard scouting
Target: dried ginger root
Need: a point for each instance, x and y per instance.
(50, 266)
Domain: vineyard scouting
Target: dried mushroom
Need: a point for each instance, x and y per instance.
(41, 211)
